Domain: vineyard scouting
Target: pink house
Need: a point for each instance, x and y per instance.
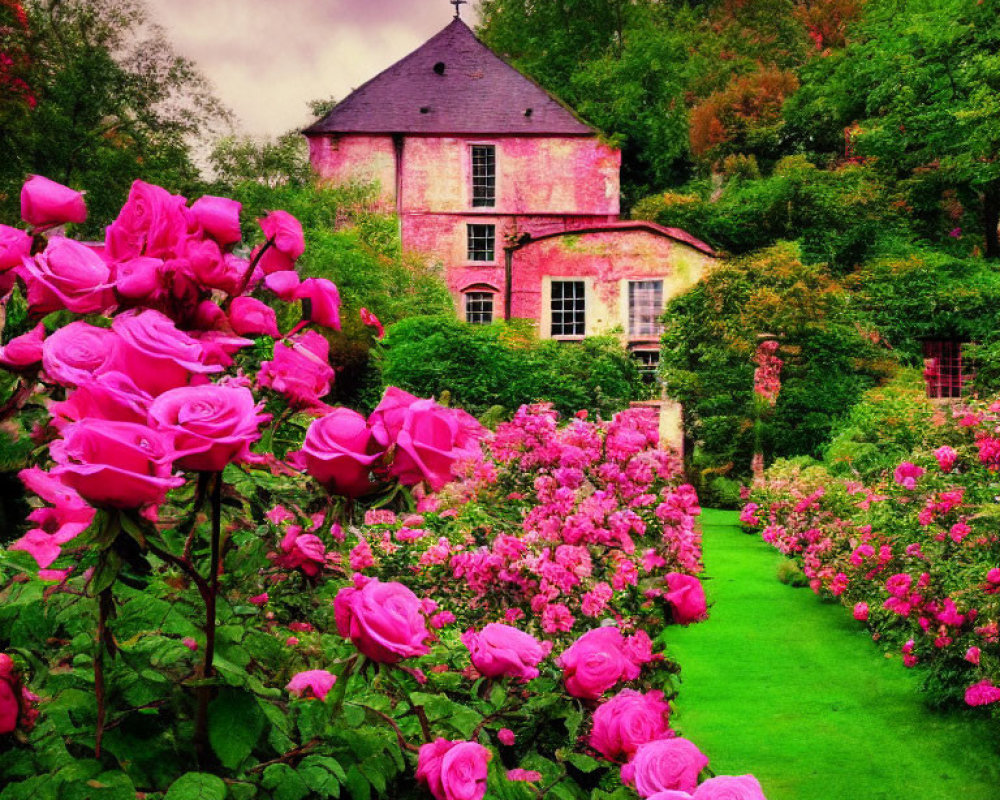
(515, 195)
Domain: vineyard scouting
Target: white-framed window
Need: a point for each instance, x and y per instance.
(484, 175)
(645, 307)
(479, 307)
(481, 241)
(568, 308)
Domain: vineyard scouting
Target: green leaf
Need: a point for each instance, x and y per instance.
(357, 784)
(108, 566)
(234, 724)
(106, 786)
(582, 762)
(196, 786)
(284, 782)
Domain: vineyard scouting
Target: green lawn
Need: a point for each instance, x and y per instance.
(792, 689)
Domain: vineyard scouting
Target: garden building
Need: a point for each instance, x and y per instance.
(515, 195)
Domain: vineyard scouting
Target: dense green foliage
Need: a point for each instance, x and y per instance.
(482, 366)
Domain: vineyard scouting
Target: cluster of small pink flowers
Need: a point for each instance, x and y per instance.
(767, 375)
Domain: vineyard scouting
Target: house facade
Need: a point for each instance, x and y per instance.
(516, 196)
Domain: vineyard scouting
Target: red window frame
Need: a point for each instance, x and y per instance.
(945, 373)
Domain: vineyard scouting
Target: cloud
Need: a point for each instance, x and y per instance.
(268, 59)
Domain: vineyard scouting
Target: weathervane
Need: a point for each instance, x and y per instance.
(458, 3)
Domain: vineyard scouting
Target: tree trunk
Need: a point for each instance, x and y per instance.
(991, 219)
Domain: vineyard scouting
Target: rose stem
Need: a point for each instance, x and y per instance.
(207, 670)
(104, 642)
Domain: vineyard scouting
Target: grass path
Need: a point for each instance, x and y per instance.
(787, 687)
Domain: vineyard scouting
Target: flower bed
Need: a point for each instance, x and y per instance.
(231, 589)
(915, 556)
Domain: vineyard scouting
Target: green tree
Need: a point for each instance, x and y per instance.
(112, 103)
(922, 79)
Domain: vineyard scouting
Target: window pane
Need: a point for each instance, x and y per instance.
(479, 307)
(484, 176)
(944, 371)
(480, 242)
(645, 307)
(568, 308)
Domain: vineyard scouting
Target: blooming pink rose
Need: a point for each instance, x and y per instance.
(212, 425)
(627, 720)
(286, 231)
(205, 264)
(219, 217)
(155, 354)
(314, 682)
(946, 457)
(664, 765)
(383, 620)
(218, 347)
(24, 352)
(730, 787)
(249, 316)
(387, 418)
(259, 599)
(501, 650)
(75, 352)
(906, 474)
(152, 222)
(284, 283)
(339, 452)
(10, 695)
(15, 244)
(67, 275)
(45, 203)
(139, 278)
(107, 395)
(595, 662)
(117, 464)
(300, 370)
(687, 598)
(320, 302)
(453, 770)
(861, 611)
(430, 440)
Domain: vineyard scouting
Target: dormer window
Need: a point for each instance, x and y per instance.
(484, 176)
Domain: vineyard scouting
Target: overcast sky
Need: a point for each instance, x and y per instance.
(268, 58)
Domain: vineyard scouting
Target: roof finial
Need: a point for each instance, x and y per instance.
(458, 3)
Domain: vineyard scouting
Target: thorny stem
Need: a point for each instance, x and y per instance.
(285, 758)
(253, 265)
(192, 523)
(207, 669)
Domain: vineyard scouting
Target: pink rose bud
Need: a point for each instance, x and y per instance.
(286, 231)
(369, 319)
(259, 599)
(24, 352)
(15, 244)
(189, 643)
(45, 203)
(291, 641)
(320, 302)
(687, 597)
(249, 316)
(506, 736)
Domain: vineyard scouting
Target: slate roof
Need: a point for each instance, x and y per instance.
(451, 84)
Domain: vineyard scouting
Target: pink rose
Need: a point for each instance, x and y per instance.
(304, 551)
(152, 222)
(383, 620)
(665, 765)
(107, 395)
(501, 650)
(861, 611)
(139, 278)
(946, 457)
(78, 351)
(67, 275)
(219, 217)
(314, 682)
(506, 737)
(730, 787)
(24, 352)
(339, 452)
(45, 203)
(300, 370)
(11, 695)
(212, 425)
(627, 720)
(528, 775)
(249, 316)
(117, 464)
(906, 475)
(453, 770)
(155, 354)
(982, 693)
(369, 319)
(595, 662)
(15, 244)
(430, 440)
(687, 598)
(207, 266)
(286, 231)
(320, 302)
(258, 599)
(387, 418)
